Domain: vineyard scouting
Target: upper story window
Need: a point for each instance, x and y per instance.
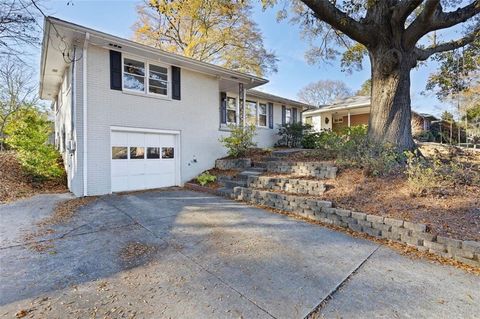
(231, 110)
(158, 79)
(262, 114)
(135, 77)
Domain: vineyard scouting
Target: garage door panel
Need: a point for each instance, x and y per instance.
(119, 183)
(167, 140)
(166, 167)
(153, 167)
(136, 167)
(152, 140)
(136, 139)
(119, 139)
(119, 168)
(145, 166)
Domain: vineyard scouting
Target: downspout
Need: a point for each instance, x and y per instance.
(85, 127)
(73, 92)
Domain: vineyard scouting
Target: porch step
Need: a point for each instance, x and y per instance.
(234, 183)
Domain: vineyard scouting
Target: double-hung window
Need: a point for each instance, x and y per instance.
(231, 110)
(251, 112)
(133, 75)
(262, 114)
(288, 116)
(158, 79)
(142, 77)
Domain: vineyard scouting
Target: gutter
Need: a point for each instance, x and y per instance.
(314, 112)
(43, 57)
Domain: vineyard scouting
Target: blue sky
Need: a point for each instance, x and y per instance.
(118, 16)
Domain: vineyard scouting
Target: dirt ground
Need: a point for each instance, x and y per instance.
(15, 184)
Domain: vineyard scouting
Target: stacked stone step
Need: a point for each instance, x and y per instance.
(289, 203)
(289, 185)
(413, 234)
(315, 169)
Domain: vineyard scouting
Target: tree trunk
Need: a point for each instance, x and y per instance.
(390, 114)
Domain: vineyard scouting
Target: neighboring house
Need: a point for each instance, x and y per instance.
(351, 111)
(130, 117)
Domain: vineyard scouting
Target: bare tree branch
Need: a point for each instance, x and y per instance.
(329, 13)
(404, 8)
(433, 18)
(424, 54)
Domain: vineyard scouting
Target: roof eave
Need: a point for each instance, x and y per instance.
(232, 74)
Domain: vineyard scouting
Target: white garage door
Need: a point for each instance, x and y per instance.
(142, 160)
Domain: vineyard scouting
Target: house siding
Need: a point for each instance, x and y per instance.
(195, 116)
(63, 120)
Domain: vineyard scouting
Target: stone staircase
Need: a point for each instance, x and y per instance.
(277, 162)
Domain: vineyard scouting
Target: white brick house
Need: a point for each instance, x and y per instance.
(129, 116)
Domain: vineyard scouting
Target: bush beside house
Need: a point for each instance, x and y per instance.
(28, 135)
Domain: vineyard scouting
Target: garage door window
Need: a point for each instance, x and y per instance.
(137, 152)
(153, 152)
(119, 152)
(167, 152)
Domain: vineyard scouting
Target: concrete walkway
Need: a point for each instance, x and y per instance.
(209, 257)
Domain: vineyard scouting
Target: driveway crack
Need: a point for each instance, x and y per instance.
(329, 296)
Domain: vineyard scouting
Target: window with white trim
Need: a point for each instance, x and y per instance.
(144, 77)
(231, 110)
(288, 116)
(262, 114)
(157, 79)
(251, 112)
(133, 75)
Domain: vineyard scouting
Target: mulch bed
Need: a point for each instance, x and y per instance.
(454, 214)
(15, 184)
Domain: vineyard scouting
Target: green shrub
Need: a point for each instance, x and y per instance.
(291, 134)
(240, 140)
(350, 148)
(310, 140)
(205, 178)
(28, 134)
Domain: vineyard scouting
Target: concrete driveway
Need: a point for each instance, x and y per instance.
(209, 257)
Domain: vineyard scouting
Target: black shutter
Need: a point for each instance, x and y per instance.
(176, 86)
(223, 108)
(270, 115)
(115, 70)
(284, 115)
(294, 115)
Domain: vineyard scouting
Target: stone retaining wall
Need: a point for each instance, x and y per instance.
(289, 185)
(233, 163)
(316, 169)
(409, 233)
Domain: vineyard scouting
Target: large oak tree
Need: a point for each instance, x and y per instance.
(393, 32)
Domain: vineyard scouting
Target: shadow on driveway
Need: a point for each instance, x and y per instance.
(212, 257)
